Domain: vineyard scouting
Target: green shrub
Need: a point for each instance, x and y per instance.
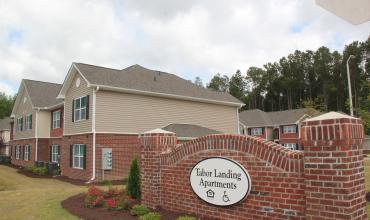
(56, 172)
(139, 210)
(42, 171)
(150, 216)
(186, 217)
(133, 182)
(30, 168)
(106, 183)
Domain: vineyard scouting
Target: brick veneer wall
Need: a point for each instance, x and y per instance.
(124, 149)
(326, 181)
(21, 161)
(276, 173)
(334, 172)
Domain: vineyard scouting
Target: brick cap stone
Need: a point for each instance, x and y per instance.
(330, 115)
(158, 131)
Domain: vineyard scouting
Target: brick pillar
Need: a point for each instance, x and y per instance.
(334, 170)
(153, 143)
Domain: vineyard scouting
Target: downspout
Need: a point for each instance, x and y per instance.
(95, 90)
(237, 118)
(36, 135)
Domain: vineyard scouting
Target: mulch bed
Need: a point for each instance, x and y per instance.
(75, 205)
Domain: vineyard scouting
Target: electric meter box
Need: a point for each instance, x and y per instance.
(107, 160)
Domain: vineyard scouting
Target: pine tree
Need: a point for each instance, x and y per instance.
(134, 183)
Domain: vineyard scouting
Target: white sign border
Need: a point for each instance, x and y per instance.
(233, 161)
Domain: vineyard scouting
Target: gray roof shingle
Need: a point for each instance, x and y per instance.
(258, 118)
(43, 94)
(137, 77)
(5, 124)
(189, 130)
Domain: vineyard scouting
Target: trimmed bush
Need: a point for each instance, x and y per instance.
(42, 171)
(133, 182)
(150, 216)
(186, 217)
(30, 168)
(139, 210)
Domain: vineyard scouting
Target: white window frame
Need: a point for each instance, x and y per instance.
(256, 131)
(26, 152)
(28, 122)
(291, 146)
(78, 111)
(17, 152)
(289, 129)
(80, 156)
(19, 123)
(55, 153)
(56, 119)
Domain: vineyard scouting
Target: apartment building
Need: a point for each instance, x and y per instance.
(282, 127)
(97, 108)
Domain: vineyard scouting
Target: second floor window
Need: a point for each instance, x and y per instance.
(19, 124)
(291, 146)
(79, 108)
(256, 131)
(28, 122)
(56, 119)
(288, 129)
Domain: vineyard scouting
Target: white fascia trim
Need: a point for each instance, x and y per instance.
(52, 107)
(157, 94)
(21, 139)
(67, 81)
(301, 118)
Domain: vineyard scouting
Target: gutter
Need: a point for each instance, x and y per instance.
(93, 126)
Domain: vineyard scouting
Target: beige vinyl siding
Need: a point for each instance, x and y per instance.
(130, 113)
(22, 109)
(5, 135)
(269, 133)
(83, 126)
(43, 124)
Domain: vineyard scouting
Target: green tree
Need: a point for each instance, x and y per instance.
(134, 183)
(198, 81)
(219, 83)
(237, 85)
(6, 105)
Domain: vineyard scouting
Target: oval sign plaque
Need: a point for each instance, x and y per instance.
(220, 181)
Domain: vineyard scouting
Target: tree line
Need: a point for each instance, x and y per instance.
(6, 105)
(312, 79)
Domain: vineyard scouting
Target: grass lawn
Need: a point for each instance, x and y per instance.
(23, 197)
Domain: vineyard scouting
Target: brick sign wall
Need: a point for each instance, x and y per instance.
(324, 181)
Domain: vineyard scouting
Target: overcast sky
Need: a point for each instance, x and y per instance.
(40, 39)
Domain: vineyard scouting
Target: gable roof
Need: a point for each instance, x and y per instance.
(259, 118)
(138, 79)
(254, 118)
(189, 130)
(43, 94)
(5, 124)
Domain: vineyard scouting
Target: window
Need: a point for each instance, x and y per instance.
(19, 124)
(78, 156)
(291, 146)
(55, 153)
(56, 119)
(17, 152)
(256, 131)
(288, 129)
(80, 108)
(28, 122)
(26, 152)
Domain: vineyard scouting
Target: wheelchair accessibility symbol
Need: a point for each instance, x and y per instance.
(225, 198)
